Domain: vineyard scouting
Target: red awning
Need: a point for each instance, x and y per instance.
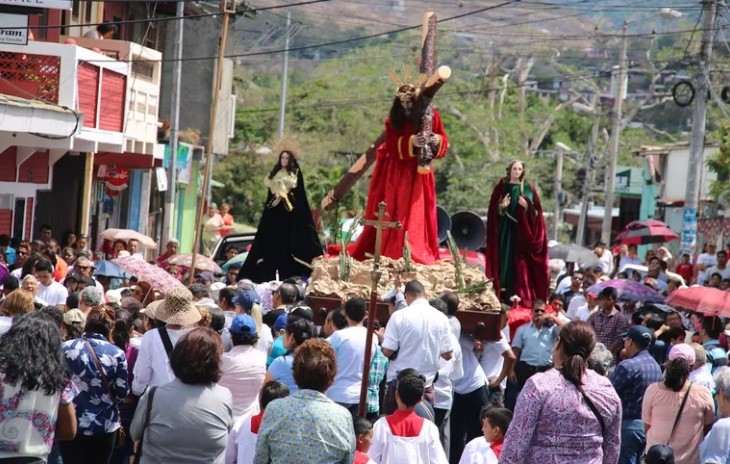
(126, 160)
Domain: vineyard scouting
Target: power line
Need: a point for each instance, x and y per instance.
(164, 18)
(335, 42)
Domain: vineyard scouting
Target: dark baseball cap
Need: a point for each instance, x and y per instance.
(642, 336)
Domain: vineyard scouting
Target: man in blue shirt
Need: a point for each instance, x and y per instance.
(533, 348)
(630, 379)
(710, 332)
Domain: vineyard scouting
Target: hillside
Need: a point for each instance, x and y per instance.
(480, 23)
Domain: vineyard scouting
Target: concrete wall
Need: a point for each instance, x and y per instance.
(201, 39)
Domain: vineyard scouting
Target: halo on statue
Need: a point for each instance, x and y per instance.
(288, 144)
(404, 88)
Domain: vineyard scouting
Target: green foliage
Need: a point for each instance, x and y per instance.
(243, 177)
(719, 163)
(337, 108)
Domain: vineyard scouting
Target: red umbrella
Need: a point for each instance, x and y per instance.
(645, 232)
(706, 300)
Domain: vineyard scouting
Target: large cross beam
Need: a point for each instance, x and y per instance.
(436, 78)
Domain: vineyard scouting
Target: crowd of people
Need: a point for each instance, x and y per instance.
(228, 371)
(658, 268)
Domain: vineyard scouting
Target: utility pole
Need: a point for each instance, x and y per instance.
(588, 182)
(557, 187)
(284, 77)
(168, 226)
(200, 212)
(699, 119)
(613, 144)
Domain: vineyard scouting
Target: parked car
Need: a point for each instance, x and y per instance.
(241, 241)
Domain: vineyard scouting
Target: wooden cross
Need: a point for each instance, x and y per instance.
(380, 224)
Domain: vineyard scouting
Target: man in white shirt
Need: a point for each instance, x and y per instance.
(349, 345)
(89, 298)
(153, 366)
(631, 258)
(497, 359)
(700, 370)
(470, 395)
(704, 261)
(605, 256)
(50, 291)
(720, 268)
(415, 337)
(134, 248)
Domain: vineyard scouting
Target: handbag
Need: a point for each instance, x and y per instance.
(138, 453)
(676, 421)
(121, 433)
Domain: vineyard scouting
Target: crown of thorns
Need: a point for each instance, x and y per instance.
(404, 87)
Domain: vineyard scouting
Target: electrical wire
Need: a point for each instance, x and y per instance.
(162, 18)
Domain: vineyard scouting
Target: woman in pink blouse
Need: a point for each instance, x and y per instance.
(569, 414)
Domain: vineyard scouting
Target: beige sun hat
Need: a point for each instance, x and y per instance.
(151, 310)
(177, 308)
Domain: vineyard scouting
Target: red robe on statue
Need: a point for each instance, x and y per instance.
(529, 267)
(410, 197)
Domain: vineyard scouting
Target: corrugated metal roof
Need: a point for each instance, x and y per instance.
(10, 100)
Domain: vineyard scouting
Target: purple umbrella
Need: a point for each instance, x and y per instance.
(629, 290)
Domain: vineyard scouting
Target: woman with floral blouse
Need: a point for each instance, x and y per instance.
(569, 414)
(100, 392)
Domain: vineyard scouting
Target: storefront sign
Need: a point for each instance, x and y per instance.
(116, 180)
(13, 29)
(161, 176)
(53, 4)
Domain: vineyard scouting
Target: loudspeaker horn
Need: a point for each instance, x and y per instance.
(468, 230)
(443, 218)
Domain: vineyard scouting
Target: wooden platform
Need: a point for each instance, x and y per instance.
(321, 305)
(483, 325)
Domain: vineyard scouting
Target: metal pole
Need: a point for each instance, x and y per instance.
(699, 117)
(284, 77)
(86, 199)
(588, 182)
(556, 187)
(613, 143)
(211, 136)
(168, 226)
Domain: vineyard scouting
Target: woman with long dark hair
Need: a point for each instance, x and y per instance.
(569, 414)
(99, 371)
(286, 240)
(662, 402)
(36, 389)
(517, 238)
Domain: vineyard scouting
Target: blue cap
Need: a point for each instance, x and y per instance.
(280, 322)
(243, 324)
(246, 299)
(642, 336)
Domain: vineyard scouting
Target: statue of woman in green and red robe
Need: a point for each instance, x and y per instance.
(517, 254)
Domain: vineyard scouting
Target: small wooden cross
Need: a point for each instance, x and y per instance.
(380, 224)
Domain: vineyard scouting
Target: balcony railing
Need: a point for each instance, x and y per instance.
(142, 94)
(73, 77)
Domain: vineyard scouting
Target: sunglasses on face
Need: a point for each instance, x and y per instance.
(83, 268)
